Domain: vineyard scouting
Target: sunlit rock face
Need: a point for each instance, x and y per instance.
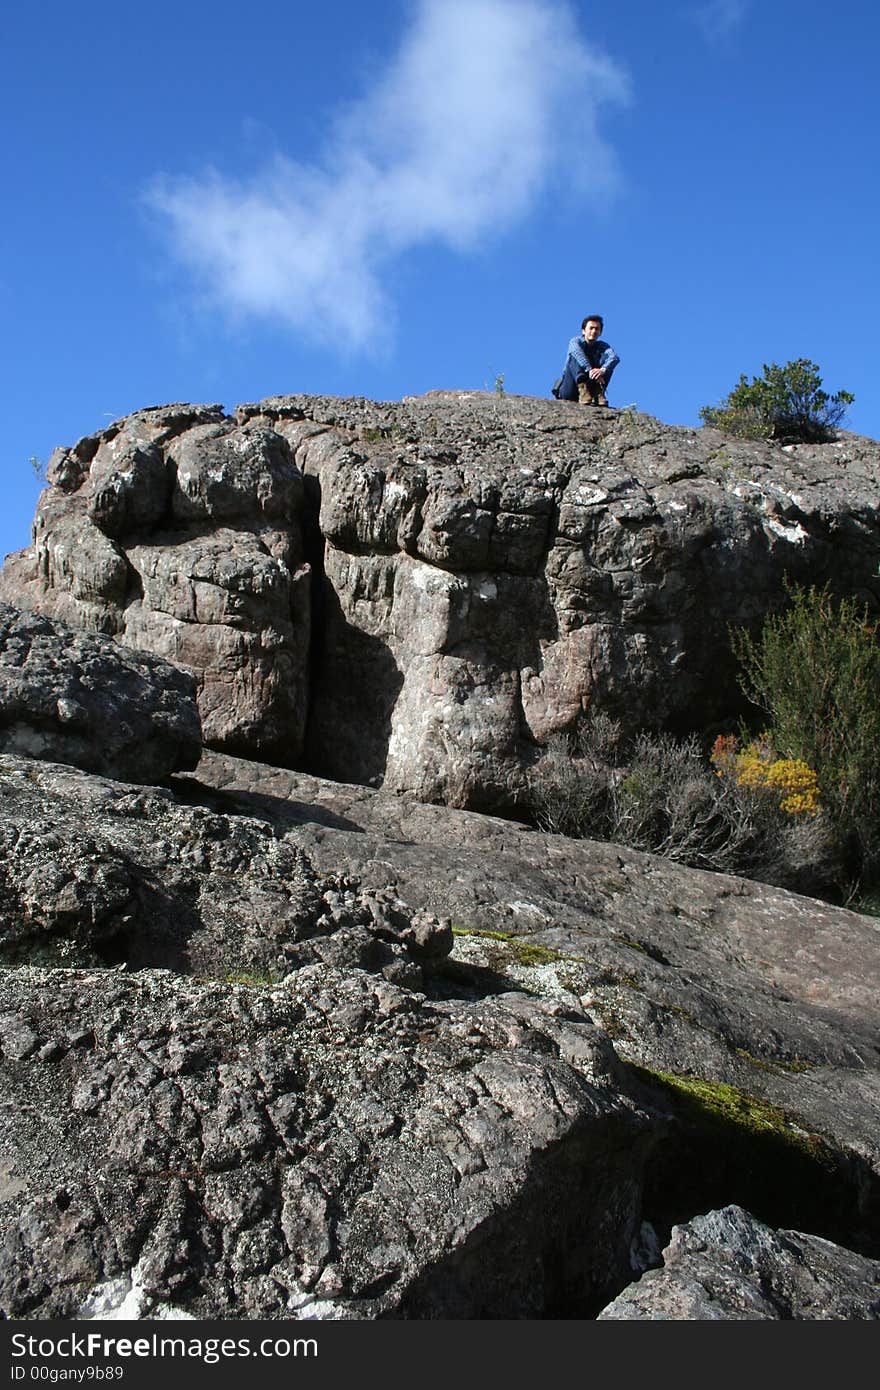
(422, 592)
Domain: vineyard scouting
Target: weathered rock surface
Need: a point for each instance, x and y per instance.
(727, 1265)
(423, 591)
(82, 699)
(386, 1131)
(94, 871)
(331, 1147)
(178, 532)
(744, 990)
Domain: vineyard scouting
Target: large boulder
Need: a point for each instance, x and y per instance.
(494, 567)
(424, 591)
(78, 698)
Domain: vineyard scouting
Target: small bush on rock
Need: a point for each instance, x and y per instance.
(667, 803)
(791, 781)
(663, 796)
(571, 787)
(798, 847)
(787, 403)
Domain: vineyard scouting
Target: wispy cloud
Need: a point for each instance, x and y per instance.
(460, 138)
(719, 19)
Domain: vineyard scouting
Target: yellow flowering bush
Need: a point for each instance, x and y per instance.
(747, 812)
(756, 767)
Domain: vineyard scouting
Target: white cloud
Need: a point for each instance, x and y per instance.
(485, 104)
(719, 18)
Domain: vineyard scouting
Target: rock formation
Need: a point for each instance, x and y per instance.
(275, 1046)
(422, 592)
(179, 534)
(726, 1265)
(83, 699)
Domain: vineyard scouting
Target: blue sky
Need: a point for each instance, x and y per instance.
(219, 202)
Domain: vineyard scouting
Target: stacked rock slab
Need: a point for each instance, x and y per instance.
(178, 532)
(78, 698)
(384, 1131)
(475, 571)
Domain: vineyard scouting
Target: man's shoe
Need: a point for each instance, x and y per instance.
(585, 395)
(601, 399)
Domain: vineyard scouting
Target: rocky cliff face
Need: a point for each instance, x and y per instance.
(276, 1046)
(422, 592)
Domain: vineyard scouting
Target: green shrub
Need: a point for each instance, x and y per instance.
(814, 670)
(672, 802)
(787, 403)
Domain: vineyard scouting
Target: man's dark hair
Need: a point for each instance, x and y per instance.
(593, 318)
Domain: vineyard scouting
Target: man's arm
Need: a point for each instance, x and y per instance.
(576, 350)
(607, 362)
(609, 357)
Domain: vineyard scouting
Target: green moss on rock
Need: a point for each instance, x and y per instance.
(522, 952)
(718, 1101)
(726, 1145)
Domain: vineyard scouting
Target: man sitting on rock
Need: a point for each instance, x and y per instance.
(588, 366)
